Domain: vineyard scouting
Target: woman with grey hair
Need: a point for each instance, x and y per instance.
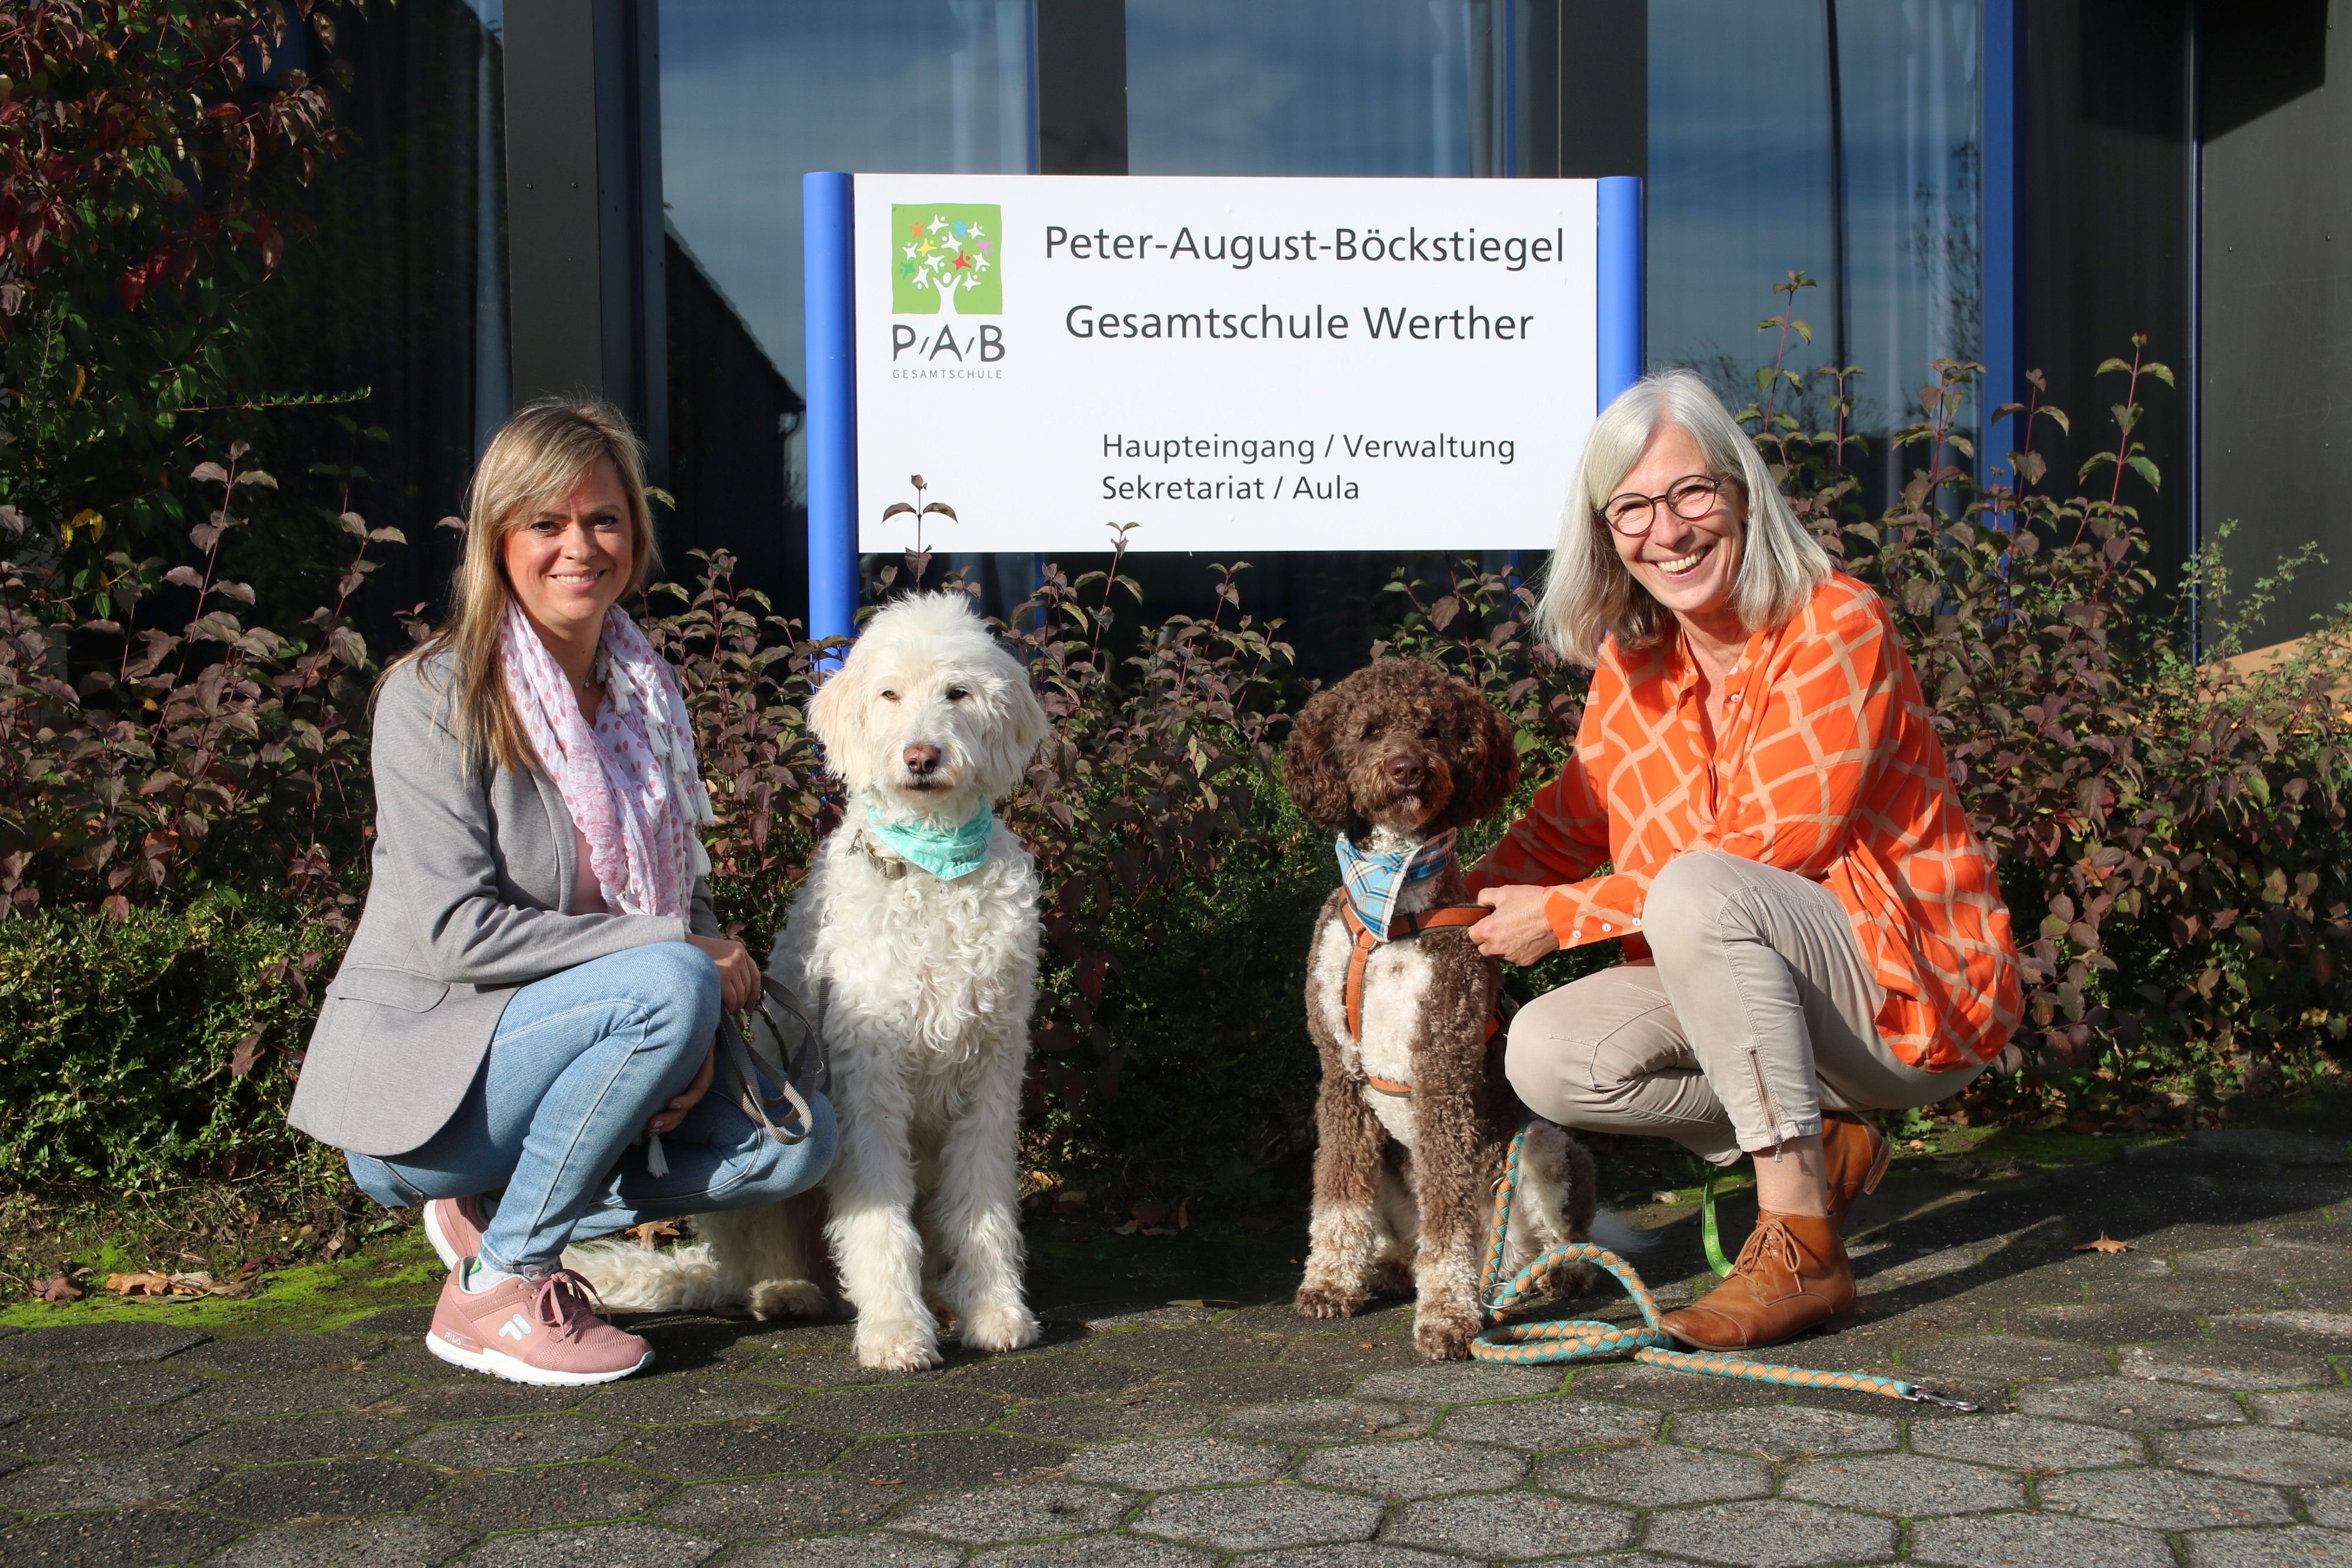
(1760, 810)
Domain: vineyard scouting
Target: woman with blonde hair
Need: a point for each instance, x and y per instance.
(1812, 930)
(528, 1004)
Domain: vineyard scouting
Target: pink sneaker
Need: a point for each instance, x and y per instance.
(532, 1330)
(455, 1227)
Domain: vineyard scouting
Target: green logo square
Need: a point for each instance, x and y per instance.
(946, 259)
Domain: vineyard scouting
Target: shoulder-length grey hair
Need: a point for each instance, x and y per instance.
(1587, 593)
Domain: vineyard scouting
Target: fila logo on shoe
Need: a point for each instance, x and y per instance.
(514, 1328)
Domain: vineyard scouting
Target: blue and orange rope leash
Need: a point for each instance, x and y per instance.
(1582, 1338)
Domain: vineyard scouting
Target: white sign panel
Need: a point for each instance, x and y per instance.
(1231, 365)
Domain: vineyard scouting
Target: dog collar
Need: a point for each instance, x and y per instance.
(946, 853)
(1374, 882)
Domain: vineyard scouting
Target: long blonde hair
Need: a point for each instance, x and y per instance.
(1588, 592)
(537, 458)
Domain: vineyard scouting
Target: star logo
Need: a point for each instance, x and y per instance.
(943, 259)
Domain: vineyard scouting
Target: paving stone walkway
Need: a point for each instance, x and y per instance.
(2180, 1403)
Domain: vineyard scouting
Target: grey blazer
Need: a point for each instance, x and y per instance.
(470, 878)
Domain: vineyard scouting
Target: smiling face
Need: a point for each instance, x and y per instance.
(568, 559)
(1691, 567)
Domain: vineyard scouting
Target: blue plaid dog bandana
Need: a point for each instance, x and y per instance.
(1374, 882)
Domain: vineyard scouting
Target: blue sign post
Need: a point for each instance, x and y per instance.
(1618, 285)
(830, 299)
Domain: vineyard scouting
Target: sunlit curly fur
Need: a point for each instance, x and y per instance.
(1396, 753)
(923, 989)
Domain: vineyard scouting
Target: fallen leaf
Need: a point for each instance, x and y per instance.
(139, 1284)
(1663, 1196)
(889, 1483)
(2107, 1244)
(654, 1232)
(1129, 1229)
(56, 1289)
(1187, 1212)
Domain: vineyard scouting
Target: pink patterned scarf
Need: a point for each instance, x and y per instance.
(630, 781)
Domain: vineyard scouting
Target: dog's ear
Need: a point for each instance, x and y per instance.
(836, 717)
(1490, 761)
(1311, 767)
(1021, 728)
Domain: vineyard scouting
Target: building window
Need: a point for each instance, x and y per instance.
(754, 94)
(1842, 141)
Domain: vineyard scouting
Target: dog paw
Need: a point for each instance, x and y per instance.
(907, 1352)
(1331, 1302)
(1393, 1280)
(997, 1328)
(786, 1299)
(1444, 1334)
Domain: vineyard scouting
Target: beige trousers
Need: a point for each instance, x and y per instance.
(1756, 1010)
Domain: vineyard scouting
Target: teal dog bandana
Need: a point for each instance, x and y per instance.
(946, 853)
(1374, 882)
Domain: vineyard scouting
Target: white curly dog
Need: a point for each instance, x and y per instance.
(921, 982)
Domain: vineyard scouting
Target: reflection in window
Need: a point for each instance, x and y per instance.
(1738, 188)
(1913, 110)
(1840, 139)
(755, 93)
(1323, 87)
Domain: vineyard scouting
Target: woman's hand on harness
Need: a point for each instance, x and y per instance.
(1517, 931)
(738, 977)
(672, 1113)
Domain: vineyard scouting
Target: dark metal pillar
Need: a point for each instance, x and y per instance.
(1081, 87)
(585, 207)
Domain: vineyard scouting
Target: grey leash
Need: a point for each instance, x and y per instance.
(807, 1067)
(742, 1074)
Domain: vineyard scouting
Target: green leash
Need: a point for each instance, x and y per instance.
(1582, 1338)
(1707, 1231)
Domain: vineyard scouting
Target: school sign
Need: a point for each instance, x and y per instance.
(1223, 365)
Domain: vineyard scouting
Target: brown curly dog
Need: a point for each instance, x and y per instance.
(1414, 1116)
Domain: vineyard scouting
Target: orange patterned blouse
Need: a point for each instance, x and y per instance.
(1827, 765)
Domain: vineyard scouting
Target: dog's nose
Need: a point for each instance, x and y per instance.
(1407, 771)
(921, 760)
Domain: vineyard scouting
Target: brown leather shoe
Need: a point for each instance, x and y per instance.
(1792, 1276)
(1854, 1155)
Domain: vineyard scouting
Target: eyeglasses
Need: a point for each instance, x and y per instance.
(1689, 499)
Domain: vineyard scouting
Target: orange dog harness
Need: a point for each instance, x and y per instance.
(1402, 928)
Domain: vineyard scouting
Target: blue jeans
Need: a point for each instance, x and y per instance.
(580, 1062)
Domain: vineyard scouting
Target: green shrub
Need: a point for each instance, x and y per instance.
(1211, 1083)
(147, 1050)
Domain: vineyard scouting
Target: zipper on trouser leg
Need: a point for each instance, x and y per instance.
(1765, 1102)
